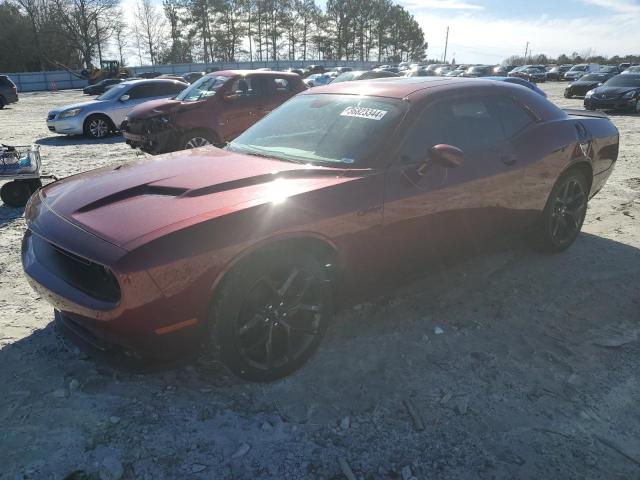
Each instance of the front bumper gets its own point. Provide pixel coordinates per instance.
(593, 103)
(68, 126)
(157, 138)
(139, 319)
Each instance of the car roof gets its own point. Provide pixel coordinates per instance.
(266, 73)
(399, 87)
(151, 80)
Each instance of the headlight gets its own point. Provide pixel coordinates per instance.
(70, 113)
(629, 94)
(589, 94)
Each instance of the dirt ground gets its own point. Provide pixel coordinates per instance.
(510, 365)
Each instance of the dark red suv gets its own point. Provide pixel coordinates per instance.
(214, 110)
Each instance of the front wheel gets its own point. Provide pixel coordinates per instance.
(564, 213)
(97, 126)
(271, 314)
(196, 139)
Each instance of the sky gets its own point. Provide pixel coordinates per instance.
(488, 31)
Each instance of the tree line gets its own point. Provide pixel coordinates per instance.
(587, 56)
(49, 34)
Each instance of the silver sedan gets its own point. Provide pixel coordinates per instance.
(105, 114)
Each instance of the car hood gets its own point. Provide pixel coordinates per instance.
(158, 107)
(613, 92)
(137, 202)
(587, 83)
(90, 103)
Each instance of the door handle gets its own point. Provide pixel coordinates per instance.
(509, 159)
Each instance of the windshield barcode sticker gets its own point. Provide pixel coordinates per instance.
(363, 112)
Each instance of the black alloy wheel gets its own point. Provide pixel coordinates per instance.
(271, 315)
(565, 212)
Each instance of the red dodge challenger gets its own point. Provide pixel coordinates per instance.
(248, 250)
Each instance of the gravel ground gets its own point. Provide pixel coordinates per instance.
(508, 365)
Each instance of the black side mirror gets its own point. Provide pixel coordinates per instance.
(446, 156)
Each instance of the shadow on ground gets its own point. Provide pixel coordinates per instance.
(506, 365)
(8, 214)
(67, 140)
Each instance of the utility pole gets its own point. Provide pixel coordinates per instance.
(526, 50)
(446, 44)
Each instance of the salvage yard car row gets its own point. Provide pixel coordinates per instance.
(163, 115)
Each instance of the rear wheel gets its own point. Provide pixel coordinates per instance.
(98, 126)
(564, 213)
(271, 314)
(16, 193)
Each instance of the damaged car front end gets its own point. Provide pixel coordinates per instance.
(152, 135)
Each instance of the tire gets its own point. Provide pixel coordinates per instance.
(34, 184)
(196, 139)
(2, 103)
(567, 95)
(98, 126)
(564, 213)
(270, 315)
(16, 193)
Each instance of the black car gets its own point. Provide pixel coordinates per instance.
(479, 71)
(612, 69)
(557, 73)
(503, 69)
(191, 77)
(8, 91)
(534, 74)
(100, 87)
(313, 69)
(363, 75)
(580, 87)
(621, 92)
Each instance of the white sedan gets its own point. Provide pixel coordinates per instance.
(105, 114)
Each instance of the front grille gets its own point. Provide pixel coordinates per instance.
(89, 277)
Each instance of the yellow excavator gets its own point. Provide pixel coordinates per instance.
(108, 69)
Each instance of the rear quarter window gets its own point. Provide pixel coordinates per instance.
(281, 85)
(513, 116)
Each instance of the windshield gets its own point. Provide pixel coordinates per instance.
(632, 81)
(205, 87)
(594, 77)
(341, 130)
(114, 92)
(578, 68)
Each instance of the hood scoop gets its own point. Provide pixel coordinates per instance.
(137, 191)
(271, 177)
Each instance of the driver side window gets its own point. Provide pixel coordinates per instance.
(465, 123)
(248, 87)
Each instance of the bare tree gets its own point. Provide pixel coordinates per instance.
(120, 35)
(151, 28)
(80, 18)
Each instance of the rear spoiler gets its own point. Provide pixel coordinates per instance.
(585, 113)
